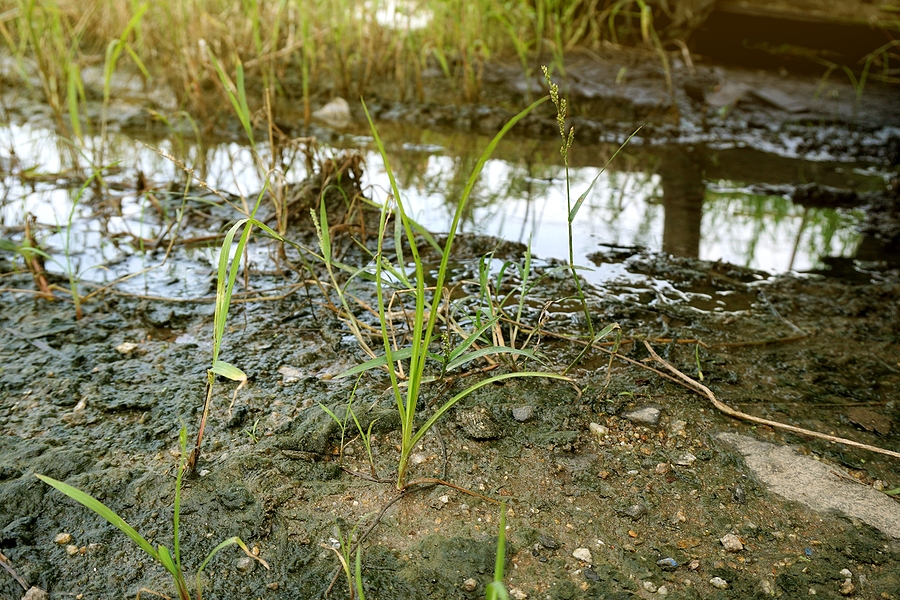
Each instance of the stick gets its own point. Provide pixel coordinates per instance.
(722, 407)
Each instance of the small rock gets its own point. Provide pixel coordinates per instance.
(35, 593)
(686, 460)
(662, 468)
(847, 588)
(667, 564)
(767, 587)
(548, 542)
(694, 565)
(517, 594)
(678, 517)
(245, 565)
(445, 499)
(732, 543)
(126, 347)
(335, 114)
(677, 427)
(648, 415)
(71, 549)
(584, 555)
(523, 414)
(289, 374)
(878, 485)
(470, 585)
(846, 573)
(635, 511)
(738, 495)
(650, 587)
(598, 430)
(718, 582)
(63, 538)
(663, 590)
(417, 458)
(478, 423)
(272, 586)
(591, 575)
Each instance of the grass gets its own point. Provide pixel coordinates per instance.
(349, 43)
(170, 560)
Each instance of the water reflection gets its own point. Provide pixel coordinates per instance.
(731, 205)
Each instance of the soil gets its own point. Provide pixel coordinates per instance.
(98, 404)
(657, 502)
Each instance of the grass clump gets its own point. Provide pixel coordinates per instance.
(424, 337)
(170, 560)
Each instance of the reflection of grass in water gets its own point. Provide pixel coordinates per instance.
(816, 232)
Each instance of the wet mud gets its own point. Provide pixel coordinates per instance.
(633, 471)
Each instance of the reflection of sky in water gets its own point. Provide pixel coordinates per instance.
(511, 201)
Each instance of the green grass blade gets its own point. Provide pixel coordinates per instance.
(584, 196)
(471, 339)
(452, 401)
(470, 356)
(220, 367)
(358, 575)
(104, 511)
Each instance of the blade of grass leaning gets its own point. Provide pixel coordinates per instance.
(104, 511)
(584, 195)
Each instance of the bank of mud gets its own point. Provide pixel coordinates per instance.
(98, 403)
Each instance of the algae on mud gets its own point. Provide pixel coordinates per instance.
(565, 486)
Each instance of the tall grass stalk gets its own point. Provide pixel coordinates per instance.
(423, 328)
(568, 137)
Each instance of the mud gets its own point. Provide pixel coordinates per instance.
(79, 406)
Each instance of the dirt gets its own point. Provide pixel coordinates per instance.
(80, 407)
(99, 402)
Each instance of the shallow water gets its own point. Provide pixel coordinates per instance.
(727, 204)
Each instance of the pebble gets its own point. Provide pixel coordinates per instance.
(732, 543)
(272, 586)
(63, 538)
(847, 588)
(517, 593)
(663, 590)
(548, 542)
(650, 587)
(584, 555)
(470, 585)
(598, 429)
(694, 565)
(846, 573)
(686, 460)
(635, 511)
(648, 415)
(126, 347)
(718, 582)
(478, 424)
(35, 593)
(667, 564)
(71, 549)
(677, 427)
(738, 494)
(245, 565)
(523, 414)
(662, 468)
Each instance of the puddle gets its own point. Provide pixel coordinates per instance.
(730, 205)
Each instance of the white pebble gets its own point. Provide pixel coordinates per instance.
(718, 582)
(584, 555)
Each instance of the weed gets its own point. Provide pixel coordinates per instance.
(496, 590)
(171, 561)
(568, 137)
(422, 330)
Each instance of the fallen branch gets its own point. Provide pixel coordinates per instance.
(722, 407)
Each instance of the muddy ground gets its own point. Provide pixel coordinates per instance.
(80, 406)
(634, 475)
